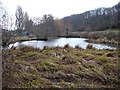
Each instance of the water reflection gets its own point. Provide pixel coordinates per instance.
(60, 42)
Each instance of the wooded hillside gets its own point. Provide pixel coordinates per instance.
(95, 20)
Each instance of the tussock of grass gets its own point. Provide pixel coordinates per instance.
(30, 56)
(65, 67)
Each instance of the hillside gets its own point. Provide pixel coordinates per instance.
(94, 20)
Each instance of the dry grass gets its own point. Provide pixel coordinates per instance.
(57, 67)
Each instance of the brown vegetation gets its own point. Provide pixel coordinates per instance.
(58, 67)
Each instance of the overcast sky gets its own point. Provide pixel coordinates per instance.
(58, 8)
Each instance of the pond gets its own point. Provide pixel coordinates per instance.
(60, 42)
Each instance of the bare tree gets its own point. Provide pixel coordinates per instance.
(11, 23)
(60, 26)
(5, 22)
(25, 21)
(19, 18)
(49, 26)
(3, 17)
(28, 23)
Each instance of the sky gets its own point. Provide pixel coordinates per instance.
(58, 8)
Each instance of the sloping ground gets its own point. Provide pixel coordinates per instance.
(60, 68)
(109, 36)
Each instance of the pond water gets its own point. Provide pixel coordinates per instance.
(60, 42)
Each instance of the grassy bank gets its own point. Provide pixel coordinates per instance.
(57, 67)
(107, 37)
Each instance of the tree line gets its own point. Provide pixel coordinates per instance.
(93, 20)
(46, 26)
